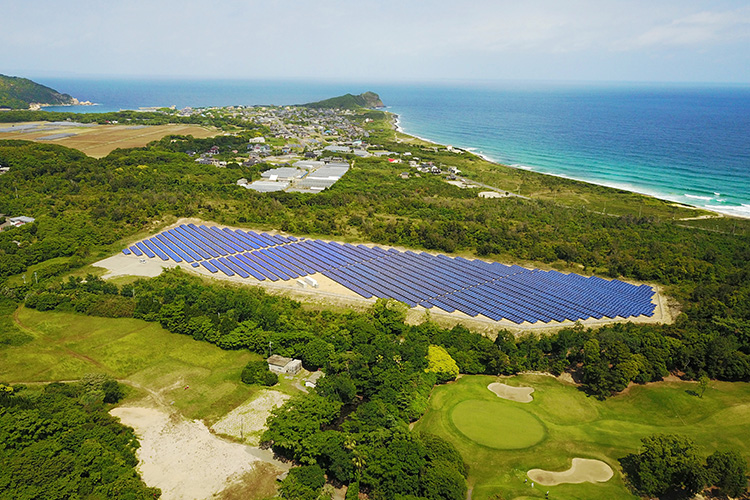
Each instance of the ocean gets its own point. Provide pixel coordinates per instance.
(684, 143)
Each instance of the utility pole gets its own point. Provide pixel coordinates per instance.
(269, 348)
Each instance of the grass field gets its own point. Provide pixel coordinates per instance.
(66, 346)
(496, 425)
(575, 425)
(98, 141)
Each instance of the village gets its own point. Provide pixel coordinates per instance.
(308, 149)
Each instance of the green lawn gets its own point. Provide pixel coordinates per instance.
(496, 425)
(66, 346)
(574, 425)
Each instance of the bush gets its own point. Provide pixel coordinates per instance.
(441, 363)
(303, 483)
(257, 372)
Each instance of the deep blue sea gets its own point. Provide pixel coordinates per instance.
(689, 144)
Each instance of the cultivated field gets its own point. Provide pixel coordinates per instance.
(100, 140)
(502, 440)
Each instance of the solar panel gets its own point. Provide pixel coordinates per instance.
(473, 287)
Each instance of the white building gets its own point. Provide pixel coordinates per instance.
(280, 364)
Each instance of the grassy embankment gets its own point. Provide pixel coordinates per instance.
(574, 425)
(65, 346)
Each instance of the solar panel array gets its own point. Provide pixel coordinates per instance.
(473, 287)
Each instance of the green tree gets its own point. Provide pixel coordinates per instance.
(441, 363)
(666, 463)
(317, 353)
(257, 372)
(297, 419)
(303, 483)
(703, 382)
(728, 471)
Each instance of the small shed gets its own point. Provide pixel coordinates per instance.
(312, 380)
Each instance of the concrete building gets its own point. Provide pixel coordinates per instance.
(286, 366)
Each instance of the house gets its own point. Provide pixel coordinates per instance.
(16, 222)
(257, 140)
(280, 364)
(312, 380)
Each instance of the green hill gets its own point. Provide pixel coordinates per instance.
(18, 93)
(349, 101)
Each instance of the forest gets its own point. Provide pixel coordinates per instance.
(59, 442)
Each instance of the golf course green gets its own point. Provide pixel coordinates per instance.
(501, 440)
(497, 425)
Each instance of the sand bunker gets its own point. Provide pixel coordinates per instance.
(248, 421)
(518, 394)
(182, 457)
(583, 470)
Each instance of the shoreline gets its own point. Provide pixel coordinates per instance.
(728, 212)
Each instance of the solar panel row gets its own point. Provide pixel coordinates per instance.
(473, 287)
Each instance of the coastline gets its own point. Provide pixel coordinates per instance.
(729, 211)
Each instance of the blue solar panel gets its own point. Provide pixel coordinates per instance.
(474, 287)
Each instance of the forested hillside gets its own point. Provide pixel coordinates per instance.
(18, 93)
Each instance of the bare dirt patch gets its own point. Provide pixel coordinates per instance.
(581, 471)
(248, 421)
(182, 457)
(517, 394)
(131, 265)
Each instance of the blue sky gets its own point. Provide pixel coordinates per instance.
(385, 40)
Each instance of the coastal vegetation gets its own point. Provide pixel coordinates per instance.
(19, 93)
(382, 374)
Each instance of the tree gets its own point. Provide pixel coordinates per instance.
(666, 463)
(297, 419)
(257, 372)
(728, 471)
(317, 353)
(441, 363)
(703, 382)
(303, 483)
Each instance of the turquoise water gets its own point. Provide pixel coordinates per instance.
(682, 143)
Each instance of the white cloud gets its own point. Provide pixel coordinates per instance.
(695, 30)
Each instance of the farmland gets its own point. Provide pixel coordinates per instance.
(99, 140)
